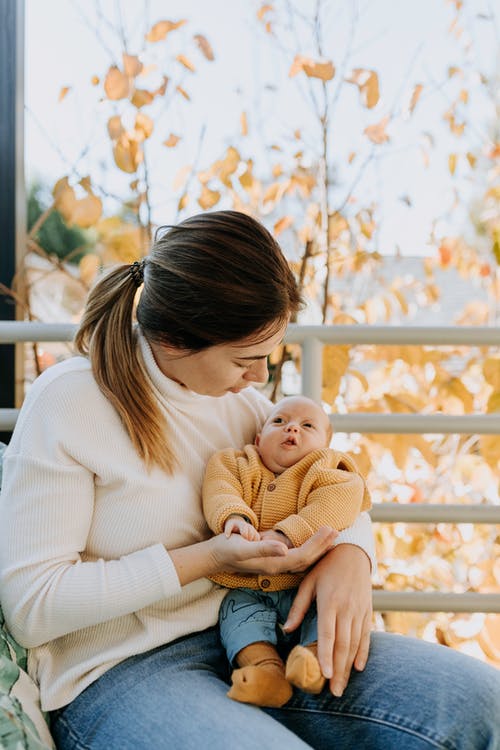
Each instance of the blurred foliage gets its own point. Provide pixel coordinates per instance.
(54, 235)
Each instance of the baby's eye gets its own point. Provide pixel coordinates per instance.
(308, 424)
(278, 420)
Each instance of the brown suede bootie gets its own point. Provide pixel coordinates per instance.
(303, 670)
(261, 678)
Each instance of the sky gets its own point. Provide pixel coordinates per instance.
(406, 42)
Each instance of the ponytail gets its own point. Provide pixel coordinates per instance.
(107, 336)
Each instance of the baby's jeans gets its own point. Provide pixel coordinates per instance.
(248, 616)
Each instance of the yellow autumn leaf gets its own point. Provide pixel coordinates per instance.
(127, 154)
(63, 93)
(323, 69)
(88, 267)
(266, 8)
(116, 84)
(186, 62)
(452, 163)
(377, 133)
(160, 30)
(204, 45)
(471, 158)
(247, 179)
(425, 450)
(284, 223)
(336, 225)
(64, 198)
(141, 97)
(172, 140)
(120, 241)
(160, 91)
(359, 376)
(228, 166)
(415, 97)
(143, 126)
(95, 80)
(454, 387)
(183, 201)
(88, 210)
(335, 364)
(183, 92)
(490, 450)
(115, 127)
(272, 192)
(208, 198)
(493, 404)
(367, 82)
(491, 372)
(132, 66)
(401, 299)
(398, 404)
(244, 123)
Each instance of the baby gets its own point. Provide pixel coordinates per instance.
(285, 486)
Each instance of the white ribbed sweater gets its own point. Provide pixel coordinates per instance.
(85, 579)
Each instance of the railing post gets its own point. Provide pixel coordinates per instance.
(312, 368)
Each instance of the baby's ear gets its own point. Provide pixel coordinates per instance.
(257, 439)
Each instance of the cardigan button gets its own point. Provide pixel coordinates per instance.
(265, 583)
(271, 487)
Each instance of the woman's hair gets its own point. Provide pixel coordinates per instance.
(215, 278)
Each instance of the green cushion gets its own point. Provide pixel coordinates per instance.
(23, 725)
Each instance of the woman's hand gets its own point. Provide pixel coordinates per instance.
(341, 585)
(237, 555)
(295, 560)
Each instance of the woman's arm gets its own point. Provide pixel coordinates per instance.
(341, 585)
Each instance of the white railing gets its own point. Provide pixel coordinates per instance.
(312, 339)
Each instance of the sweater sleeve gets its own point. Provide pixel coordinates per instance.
(47, 588)
(360, 534)
(223, 492)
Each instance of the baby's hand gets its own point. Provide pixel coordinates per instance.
(238, 525)
(276, 536)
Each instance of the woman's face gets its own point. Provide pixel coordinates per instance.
(222, 368)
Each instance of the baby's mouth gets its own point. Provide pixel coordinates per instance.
(290, 441)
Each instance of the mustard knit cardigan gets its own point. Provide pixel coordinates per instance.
(323, 489)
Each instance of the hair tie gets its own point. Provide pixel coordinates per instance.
(137, 271)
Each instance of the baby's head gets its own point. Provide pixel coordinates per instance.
(296, 426)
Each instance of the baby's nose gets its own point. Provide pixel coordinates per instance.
(292, 428)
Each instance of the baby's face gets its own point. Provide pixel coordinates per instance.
(295, 427)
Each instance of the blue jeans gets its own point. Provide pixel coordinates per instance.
(411, 696)
(248, 616)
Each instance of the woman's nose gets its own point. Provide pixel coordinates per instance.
(258, 372)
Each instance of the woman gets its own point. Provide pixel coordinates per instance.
(104, 552)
